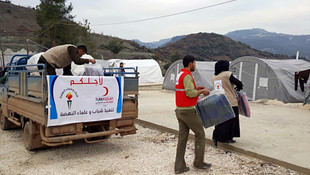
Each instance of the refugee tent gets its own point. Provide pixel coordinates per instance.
(202, 75)
(101, 62)
(269, 79)
(8, 53)
(149, 70)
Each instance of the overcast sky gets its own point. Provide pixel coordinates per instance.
(281, 16)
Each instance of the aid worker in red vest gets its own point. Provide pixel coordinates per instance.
(187, 94)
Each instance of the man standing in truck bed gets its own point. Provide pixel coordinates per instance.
(61, 57)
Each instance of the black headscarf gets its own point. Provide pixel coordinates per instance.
(221, 66)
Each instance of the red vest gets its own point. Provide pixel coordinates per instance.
(181, 99)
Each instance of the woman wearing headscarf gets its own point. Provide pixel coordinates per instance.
(225, 131)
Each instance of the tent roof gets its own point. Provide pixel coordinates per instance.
(290, 65)
(284, 71)
(149, 70)
(202, 75)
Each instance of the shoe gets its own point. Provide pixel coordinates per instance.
(181, 171)
(231, 141)
(205, 166)
(215, 143)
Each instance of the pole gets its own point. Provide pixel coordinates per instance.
(2, 54)
(255, 79)
(54, 42)
(297, 55)
(27, 47)
(240, 71)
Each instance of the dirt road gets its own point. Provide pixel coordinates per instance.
(276, 130)
(147, 152)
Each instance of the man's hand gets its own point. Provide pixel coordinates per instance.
(199, 88)
(203, 91)
(206, 92)
(92, 61)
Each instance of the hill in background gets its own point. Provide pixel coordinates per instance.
(275, 43)
(13, 19)
(160, 43)
(211, 46)
(259, 39)
(19, 24)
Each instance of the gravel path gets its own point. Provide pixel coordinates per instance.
(147, 152)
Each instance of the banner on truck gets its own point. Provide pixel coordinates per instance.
(76, 99)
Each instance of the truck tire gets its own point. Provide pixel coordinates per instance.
(4, 122)
(31, 141)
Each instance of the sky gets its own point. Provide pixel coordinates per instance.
(280, 16)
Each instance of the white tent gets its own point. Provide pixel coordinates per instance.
(149, 70)
(202, 75)
(8, 53)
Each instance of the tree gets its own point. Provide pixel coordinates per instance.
(175, 56)
(57, 25)
(115, 46)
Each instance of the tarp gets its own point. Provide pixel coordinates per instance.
(202, 75)
(34, 60)
(149, 70)
(269, 79)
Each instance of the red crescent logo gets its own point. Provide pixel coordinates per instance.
(107, 90)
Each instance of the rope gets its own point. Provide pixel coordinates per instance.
(36, 43)
(45, 30)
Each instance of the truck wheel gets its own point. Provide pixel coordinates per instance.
(31, 141)
(4, 122)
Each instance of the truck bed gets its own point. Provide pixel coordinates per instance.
(24, 103)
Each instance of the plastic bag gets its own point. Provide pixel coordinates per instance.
(93, 70)
(243, 104)
(33, 60)
(214, 109)
(77, 70)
